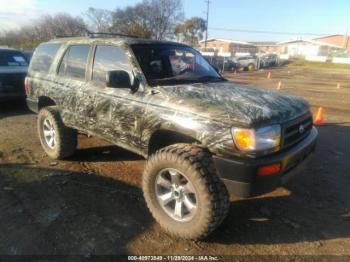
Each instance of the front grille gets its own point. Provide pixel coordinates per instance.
(296, 130)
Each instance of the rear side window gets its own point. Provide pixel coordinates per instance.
(12, 58)
(73, 63)
(108, 58)
(43, 57)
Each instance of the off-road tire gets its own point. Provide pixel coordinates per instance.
(66, 138)
(213, 200)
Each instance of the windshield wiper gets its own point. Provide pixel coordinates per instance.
(210, 78)
(175, 80)
(172, 80)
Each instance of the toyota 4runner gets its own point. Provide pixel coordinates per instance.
(203, 136)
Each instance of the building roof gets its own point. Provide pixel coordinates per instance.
(326, 36)
(227, 41)
(310, 42)
(264, 43)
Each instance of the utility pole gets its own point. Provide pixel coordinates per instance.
(206, 31)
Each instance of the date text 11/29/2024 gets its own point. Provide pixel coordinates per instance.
(173, 258)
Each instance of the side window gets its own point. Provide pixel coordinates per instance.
(108, 58)
(43, 57)
(74, 61)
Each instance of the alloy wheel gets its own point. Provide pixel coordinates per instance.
(176, 194)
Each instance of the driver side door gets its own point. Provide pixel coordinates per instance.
(116, 112)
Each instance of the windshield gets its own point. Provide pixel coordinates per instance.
(12, 58)
(173, 64)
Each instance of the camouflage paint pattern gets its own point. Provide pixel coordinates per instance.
(204, 112)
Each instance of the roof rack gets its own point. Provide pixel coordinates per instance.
(63, 36)
(97, 34)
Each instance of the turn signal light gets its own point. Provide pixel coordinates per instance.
(269, 170)
(244, 138)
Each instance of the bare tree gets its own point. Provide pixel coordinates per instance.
(99, 20)
(59, 24)
(44, 29)
(163, 16)
(150, 18)
(132, 21)
(191, 30)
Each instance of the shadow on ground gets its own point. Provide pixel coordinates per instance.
(13, 108)
(47, 211)
(105, 154)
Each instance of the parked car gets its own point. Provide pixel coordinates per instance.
(13, 69)
(268, 60)
(247, 62)
(28, 54)
(203, 136)
(222, 64)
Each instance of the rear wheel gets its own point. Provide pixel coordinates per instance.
(183, 192)
(57, 140)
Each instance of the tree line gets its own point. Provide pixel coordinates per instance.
(154, 19)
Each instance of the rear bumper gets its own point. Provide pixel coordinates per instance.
(240, 175)
(11, 96)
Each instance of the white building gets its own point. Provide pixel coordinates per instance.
(306, 48)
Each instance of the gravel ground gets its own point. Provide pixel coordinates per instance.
(91, 204)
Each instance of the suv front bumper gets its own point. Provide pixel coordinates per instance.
(240, 175)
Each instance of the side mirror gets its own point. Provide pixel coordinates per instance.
(118, 79)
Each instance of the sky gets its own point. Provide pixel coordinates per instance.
(227, 18)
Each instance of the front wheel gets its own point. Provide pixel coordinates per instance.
(183, 192)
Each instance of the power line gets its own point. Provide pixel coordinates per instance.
(266, 32)
(206, 31)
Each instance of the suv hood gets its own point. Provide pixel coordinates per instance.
(233, 103)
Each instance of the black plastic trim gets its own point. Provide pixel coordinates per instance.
(33, 105)
(240, 174)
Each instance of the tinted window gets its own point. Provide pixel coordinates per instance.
(43, 57)
(173, 64)
(108, 58)
(12, 58)
(74, 61)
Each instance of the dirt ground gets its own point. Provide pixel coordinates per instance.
(92, 204)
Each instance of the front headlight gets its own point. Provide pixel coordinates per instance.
(252, 140)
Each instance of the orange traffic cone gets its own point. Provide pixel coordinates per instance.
(269, 75)
(338, 86)
(319, 119)
(279, 86)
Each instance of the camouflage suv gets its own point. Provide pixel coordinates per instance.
(203, 136)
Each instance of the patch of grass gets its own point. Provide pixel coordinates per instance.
(309, 64)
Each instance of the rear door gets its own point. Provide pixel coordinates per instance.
(71, 83)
